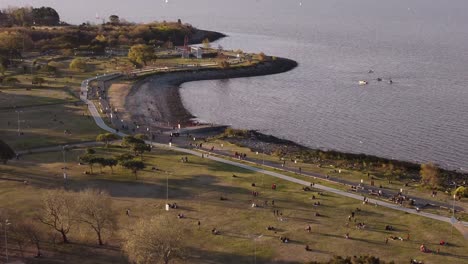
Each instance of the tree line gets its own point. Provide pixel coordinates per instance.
(29, 16)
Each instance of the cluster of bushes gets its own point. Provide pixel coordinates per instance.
(231, 132)
(128, 161)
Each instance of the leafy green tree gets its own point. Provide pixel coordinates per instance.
(11, 80)
(224, 64)
(36, 80)
(90, 159)
(206, 43)
(111, 163)
(141, 136)
(90, 151)
(6, 152)
(45, 16)
(21, 16)
(128, 141)
(13, 42)
(133, 165)
(114, 19)
(124, 157)
(100, 161)
(262, 56)
(140, 148)
(78, 64)
(141, 54)
(430, 175)
(461, 191)
(107, 137)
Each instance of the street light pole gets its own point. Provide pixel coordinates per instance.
(453, 217)
(255, 248)
(167, 187)
(64, 170)
(7, 223)
(19, 122)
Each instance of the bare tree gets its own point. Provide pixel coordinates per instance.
(95, 210)
(156, 240)
(28, 232)
(59, 212)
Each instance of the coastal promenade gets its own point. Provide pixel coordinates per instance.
(100, 122)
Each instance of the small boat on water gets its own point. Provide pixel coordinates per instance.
(363, 82)
(379, 79)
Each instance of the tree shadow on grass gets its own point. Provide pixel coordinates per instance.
(178, 188)
(212, 257)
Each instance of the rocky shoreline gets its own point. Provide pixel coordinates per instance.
(156, 98)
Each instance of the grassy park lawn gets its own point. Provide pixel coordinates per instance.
(46, 125)
(11, 97)
(197, 186)
(355, 176)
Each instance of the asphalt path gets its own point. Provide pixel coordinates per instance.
(100, 122)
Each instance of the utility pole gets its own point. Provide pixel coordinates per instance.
(19, 122)
(64, 169)
(6, 224)
(453, 220)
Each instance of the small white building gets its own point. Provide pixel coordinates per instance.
(197, 52)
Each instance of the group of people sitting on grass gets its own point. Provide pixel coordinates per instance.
(389, 228)
(284, 239)
(173, 206)
(180, 216)
(270, 228)
(396, 238)
(241, 156)
(424, 249)
(361, 225)
(215, 231)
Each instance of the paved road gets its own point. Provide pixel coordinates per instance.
(94, 112)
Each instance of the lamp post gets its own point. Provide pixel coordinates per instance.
(19, 122)
(6, 224)
(64, 169)
(453, 220)
(150, 135)
(255, 247)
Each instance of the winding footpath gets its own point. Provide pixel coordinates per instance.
(100, 122)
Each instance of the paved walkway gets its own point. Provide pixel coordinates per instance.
(365, 188)
(94, 112)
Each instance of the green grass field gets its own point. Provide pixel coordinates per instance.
(197, 187)
(355, 176)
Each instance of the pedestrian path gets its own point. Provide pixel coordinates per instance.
(100, 122)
